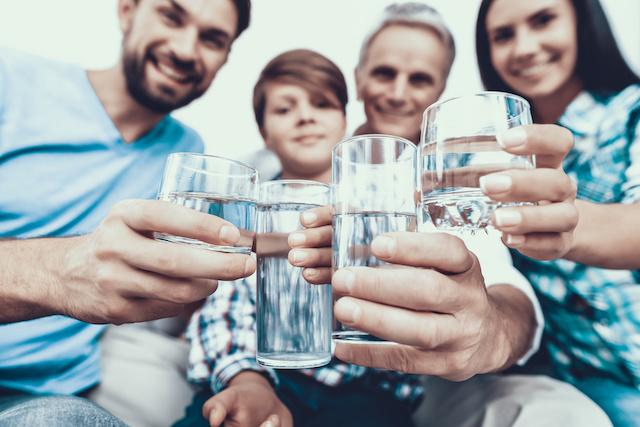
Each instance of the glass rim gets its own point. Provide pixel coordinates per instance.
(308, 182)
(400, 139)
(213, 156)
(477, 94)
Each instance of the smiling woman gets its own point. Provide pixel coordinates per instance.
(562, 56)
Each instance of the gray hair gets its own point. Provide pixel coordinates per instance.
(414, 14)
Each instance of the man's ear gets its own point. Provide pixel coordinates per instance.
(126, 11)
(357, 75)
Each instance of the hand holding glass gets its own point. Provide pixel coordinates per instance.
(459, 146)
(213, 185)
(374, 181)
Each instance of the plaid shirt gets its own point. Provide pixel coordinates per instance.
(223, 344)
(593, 314)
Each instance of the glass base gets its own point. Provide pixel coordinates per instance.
(200, 244)
(293, 360)
(355, 337)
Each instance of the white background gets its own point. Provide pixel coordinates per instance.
(86, 32)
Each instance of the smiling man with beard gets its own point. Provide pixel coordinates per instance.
(79, 151)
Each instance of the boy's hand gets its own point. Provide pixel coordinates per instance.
(248, 401)
(311, 247)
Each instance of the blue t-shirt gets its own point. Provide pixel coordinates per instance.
(63, 165)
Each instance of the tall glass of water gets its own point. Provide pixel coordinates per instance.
(293, 316)
(214, 185)
(459, 146)
(374, 182)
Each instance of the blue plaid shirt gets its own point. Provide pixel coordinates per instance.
(223, 344)
(593, 314)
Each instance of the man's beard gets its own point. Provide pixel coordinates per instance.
(164, 102)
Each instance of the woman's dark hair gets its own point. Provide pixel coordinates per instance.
(305, 68)
(600, 64)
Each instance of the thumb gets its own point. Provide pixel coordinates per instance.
(272, 421)
(216, 408)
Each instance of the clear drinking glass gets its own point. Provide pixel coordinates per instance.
(214, 185)
(293, 316)
(460, 145)
(374, 182)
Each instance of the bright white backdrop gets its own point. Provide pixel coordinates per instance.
(86, 32)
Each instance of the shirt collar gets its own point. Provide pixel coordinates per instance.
(583, 115)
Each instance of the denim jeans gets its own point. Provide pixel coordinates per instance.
(620, 402)
(19, 410)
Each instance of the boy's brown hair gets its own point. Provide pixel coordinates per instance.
(301, 67)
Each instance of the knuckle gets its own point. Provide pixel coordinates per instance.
(182, 294)
(168, 260)
(400, 360)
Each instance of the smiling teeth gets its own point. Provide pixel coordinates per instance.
(171, 73)
(531, 70)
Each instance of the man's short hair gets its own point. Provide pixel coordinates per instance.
(243, 7)
(244, 15)
(301, 67)
(412, 14)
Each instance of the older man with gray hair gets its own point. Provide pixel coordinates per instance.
(403, 67)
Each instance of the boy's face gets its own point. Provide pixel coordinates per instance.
(172, 49)
(301, 128)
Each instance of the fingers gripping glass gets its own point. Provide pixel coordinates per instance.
(374, 181)
(214, 185)
(459, 146)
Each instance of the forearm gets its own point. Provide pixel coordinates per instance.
(30, 277)
(607, 236)
(515, 326)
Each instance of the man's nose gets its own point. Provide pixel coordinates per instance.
(399, 90)
(184, 44)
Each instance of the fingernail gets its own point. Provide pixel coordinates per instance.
(347, 311)
(309, 218)
(343, 280)
(296, 239)
(515, 240)
(384, 246)
(268, 423)
(249, 266)
(298, 256)
(512, 137)
(507, 217)
(229, 234)
(495, 183)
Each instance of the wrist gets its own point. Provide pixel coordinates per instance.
(251, 377)
(513, 326)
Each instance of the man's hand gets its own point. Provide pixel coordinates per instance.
(545, 231)
(248, 401)
(434, 304)
(120, 274)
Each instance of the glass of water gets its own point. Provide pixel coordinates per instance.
(460, 145)
(293, 316)
(214, 185)
(374, 183)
